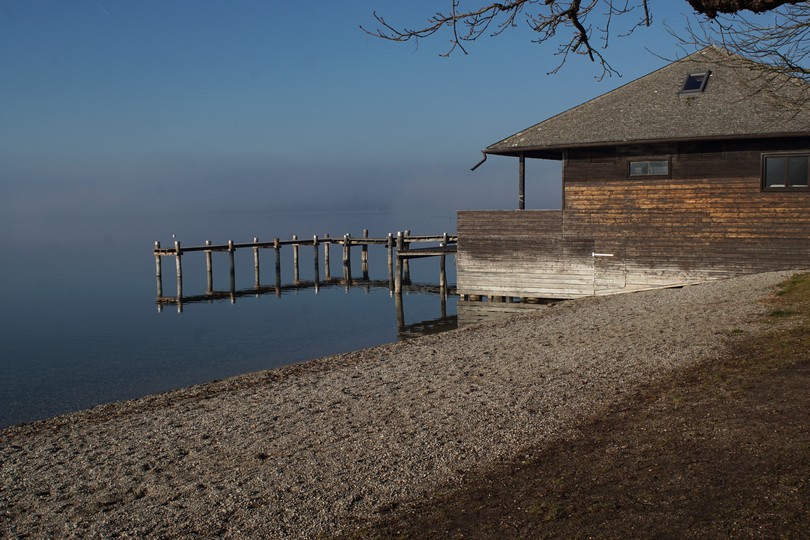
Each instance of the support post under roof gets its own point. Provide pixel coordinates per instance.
(522, 183)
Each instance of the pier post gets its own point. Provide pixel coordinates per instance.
(398, 272)
(347, 258)
(443, 305)
(257, 279)
(442, 276)
(233, 270)
(400, 312)
(296, 274)
(442, 268)
(390, 246)
(209, 270)
(316, 270)
(277, 249)
(327, 273)
(364, 255)
(406, 263)
(158, 270)
(178, 254)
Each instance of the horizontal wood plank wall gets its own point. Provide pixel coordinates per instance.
(708, 219)
(521, 254)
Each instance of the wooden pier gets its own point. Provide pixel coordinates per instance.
(398, 248)
(399, 253)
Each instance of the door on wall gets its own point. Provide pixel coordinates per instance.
(609, 273)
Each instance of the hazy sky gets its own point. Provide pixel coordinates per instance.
(111, 107)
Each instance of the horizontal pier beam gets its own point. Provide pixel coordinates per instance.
(427, 252)
(301, 242)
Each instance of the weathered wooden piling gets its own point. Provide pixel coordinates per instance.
(442, 268)
(389, 244)
(316, 270)
(327, 272)
(347, 258)
(443, 303)
(277, 250)
(178, 256)
(406, 264)
(232, 273)
(209, 269)
(257, 282)
(364, 255)
(400, 262)
(400, 308)
(296, 273)
(158, 270)
(442, 274)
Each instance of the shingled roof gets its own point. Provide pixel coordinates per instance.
(653, 109)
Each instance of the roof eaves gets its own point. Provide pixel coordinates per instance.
(559, 148)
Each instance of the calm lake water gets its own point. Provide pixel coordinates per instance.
(79, 324)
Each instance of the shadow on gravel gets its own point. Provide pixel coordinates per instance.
(720, 450)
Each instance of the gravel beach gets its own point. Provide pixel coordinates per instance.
(321, 447)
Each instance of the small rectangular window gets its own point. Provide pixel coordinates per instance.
(649, 168)
(786, 172)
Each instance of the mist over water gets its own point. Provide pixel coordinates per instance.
(80, 325)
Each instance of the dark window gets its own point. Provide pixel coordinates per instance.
(788, 172)
(649, 168)
(695, 82)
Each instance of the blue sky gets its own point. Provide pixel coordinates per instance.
(112, 107)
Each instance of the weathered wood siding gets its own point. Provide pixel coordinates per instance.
(520, 253)
(709, 219)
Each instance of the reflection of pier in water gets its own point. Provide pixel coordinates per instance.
(399, 282)
(404, 331)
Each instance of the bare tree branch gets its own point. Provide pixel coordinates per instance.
(546, 17)
(772, 32)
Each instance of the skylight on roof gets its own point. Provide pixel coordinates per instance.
(695, 83)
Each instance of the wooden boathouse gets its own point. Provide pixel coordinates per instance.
(688, 174)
